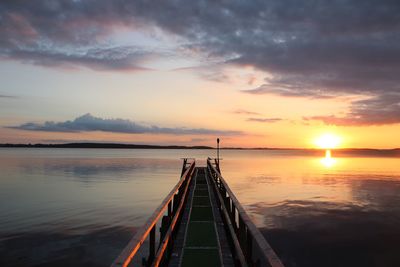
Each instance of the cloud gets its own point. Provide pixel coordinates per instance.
(113, 58)
(68, 33)
(7, 96)
(245, 112)
(89, 123)
(264, 120)
(305, 49)
(255, 119)
(315, 49)
(291, 87)
(380, 110)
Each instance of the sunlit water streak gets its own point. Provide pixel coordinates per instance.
(328, 161)
(80, 206)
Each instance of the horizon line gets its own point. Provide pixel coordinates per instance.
(135, 145)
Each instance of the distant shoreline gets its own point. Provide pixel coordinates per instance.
(104, 145)
(395, 152)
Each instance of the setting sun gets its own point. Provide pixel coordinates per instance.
(328, 141)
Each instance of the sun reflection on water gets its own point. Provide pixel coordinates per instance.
(328, 161)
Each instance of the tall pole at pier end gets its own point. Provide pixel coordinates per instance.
(218, 152)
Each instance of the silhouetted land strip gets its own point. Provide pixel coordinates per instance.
(343, 152)
(103, 145)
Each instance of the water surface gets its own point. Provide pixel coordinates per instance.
(79, 207)
(322, 212)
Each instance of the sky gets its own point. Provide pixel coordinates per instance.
(270, 73)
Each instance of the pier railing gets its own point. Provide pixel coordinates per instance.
(248, 246)
(167, 215)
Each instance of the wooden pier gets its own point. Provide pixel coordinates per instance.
(199, 223)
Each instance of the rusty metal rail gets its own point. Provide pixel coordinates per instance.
(249, 248)
(169, 212)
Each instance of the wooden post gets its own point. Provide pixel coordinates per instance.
(242, 232)
(170, 209)
(233, 218)
(175, 204)
(184, 166)
(165, 222)
(249, 248)
(217, 161)
(152, 250)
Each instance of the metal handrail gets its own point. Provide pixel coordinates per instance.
(237, 253)
(173, 202)
(246, 232)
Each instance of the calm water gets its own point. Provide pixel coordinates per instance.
(79, 207)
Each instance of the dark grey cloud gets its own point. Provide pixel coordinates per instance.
(68, 34)
(89, 123)
(291, 87)
(314, 49)
(264, 120)
(114, 58)
(7, 96)
(311, 49)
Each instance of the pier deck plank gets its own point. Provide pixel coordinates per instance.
(201, 246)
(203, 224)
(202, 240)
